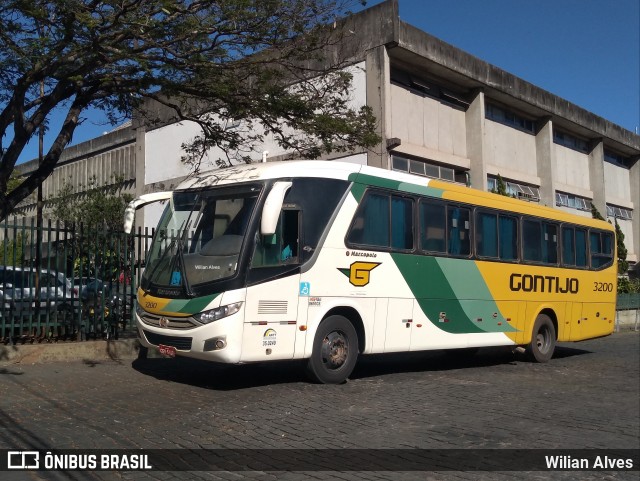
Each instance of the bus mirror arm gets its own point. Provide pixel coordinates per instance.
(137, 203)
(272, 208)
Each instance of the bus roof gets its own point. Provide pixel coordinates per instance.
(381, 177)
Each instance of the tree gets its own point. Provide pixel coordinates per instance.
(501, 187)
(623, 264)
(272, 65)
(96, 206)
(96, 216)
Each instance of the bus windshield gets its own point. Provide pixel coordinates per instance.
(199, 238)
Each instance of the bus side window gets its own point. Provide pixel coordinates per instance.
(532, 240)
(601, 249)
(487, 234)
(568, 246)
(433, 224)
(550, 243)
(508, 238)
(280, 247)
(459, 227)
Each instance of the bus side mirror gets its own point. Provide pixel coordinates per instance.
(272, 208)
(130, 211)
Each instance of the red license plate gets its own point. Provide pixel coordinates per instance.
(168, 351)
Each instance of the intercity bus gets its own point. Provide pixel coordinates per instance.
(328, 260)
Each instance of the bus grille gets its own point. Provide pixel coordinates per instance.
(181, 343)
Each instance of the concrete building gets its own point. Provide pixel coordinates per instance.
(442, 113)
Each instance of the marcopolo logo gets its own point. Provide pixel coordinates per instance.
(359, 272)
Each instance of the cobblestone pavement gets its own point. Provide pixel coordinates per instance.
(587, 397)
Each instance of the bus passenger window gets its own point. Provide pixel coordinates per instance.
(459, 227)
(371, 224)
(487, 235)
(581, 248)
(401, 223)
(383, 220)
(550, 243)
(568, 246)
(532, 240)
(433, 224)
(508, 238)
(601, 249)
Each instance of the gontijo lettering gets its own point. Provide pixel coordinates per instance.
(537, 283)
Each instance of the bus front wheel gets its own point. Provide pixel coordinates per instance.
(543, 339)
(335, 351)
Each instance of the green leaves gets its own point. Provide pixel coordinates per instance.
(274, 66)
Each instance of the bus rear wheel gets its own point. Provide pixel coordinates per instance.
(335, 351)
(543, 340)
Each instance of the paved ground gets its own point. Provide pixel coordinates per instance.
(587, 397)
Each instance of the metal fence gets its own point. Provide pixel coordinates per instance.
(628, 301)
(68, 283)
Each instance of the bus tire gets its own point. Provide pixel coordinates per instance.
(335, 351)
(543, 340)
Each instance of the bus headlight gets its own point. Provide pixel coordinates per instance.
(218, 313)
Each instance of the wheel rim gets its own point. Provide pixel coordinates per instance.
(335, 350)
(543, 340)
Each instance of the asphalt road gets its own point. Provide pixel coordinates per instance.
(586, 398)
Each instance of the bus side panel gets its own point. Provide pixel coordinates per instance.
(271, 313)
(598, 319)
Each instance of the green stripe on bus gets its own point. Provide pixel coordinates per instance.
(451, 293)
(362, 181)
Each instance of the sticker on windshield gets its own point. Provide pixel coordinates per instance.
(176, 278)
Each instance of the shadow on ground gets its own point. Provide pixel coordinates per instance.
(224, 377)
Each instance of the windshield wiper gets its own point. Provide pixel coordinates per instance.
(183, 270)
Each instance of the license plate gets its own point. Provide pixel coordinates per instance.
(168, 351)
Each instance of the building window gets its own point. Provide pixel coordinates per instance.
(427, 169)
(573, 201)
(510, 118)
(570, 141)
(520, 191)
(617, 159)
(429, 89)
(619, 212)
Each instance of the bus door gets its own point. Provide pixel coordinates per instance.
(271, 310)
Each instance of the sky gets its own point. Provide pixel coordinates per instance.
(585, 51)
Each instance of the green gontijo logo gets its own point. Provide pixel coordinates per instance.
(358, 272)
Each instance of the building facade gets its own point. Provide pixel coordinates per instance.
(441, 113)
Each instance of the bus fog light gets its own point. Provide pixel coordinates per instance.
(215, 343)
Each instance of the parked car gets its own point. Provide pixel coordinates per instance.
(59, 302)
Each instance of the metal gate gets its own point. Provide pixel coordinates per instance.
(61, 283)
